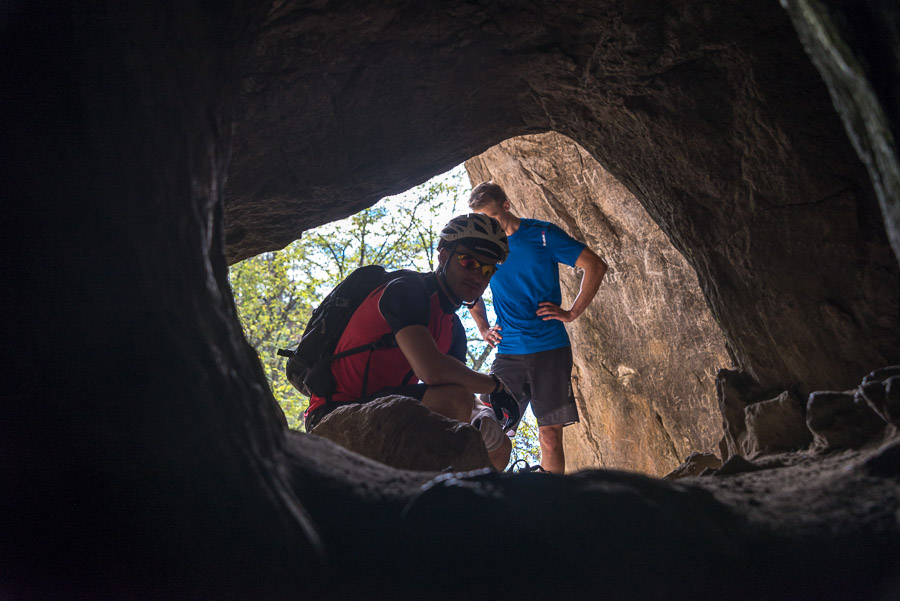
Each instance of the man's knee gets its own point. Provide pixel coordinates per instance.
(460, 396)
(450, 400)
(550, 436)
(500, 456)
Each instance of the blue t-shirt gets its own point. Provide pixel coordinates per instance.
(530, 276)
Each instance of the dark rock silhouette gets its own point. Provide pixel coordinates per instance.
(881, 390)
(841, 420)
(777, 424)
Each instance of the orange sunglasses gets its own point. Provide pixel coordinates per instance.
(470, 263)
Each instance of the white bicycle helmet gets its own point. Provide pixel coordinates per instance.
(479, 232)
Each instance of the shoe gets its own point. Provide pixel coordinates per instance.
(527, 468)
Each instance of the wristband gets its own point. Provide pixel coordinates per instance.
(499, 383)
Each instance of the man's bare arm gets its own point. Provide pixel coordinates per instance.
(436, 368)
(594, 269)
(490, 334)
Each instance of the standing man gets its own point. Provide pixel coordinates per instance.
(534, 358)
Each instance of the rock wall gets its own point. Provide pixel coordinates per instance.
(647, 349)
(854, 47)
(138, 434)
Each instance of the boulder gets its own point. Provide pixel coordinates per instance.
(755, 422)
(735, 390)
(841, 420)
(775, 425)
(402, 433)
(881, 390)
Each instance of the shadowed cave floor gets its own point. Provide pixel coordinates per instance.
(801, 526)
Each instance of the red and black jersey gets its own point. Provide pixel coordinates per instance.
(411, 299)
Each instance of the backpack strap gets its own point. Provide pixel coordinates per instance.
(386, 341)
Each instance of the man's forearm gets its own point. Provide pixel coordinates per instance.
(436, 368)
(594, 270)
(479, 313)
(448, 370)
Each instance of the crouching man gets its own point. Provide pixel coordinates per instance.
(419, 309)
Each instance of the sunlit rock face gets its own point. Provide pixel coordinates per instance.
(647, 349)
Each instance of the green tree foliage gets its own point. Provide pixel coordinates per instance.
(275, 299)
(276, 292)
(526, 446)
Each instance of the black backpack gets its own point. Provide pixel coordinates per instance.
(309, 365)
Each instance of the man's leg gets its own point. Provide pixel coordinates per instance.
(553, 403)
(500, 455)
(513, 371)
(451, 401)
(553, 457)
(457, 403)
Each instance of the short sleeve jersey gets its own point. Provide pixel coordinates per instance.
(411, 299)
(530, 276)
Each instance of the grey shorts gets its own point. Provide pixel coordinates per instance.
(543, 379)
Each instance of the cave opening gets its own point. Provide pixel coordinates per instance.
(645, 358)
